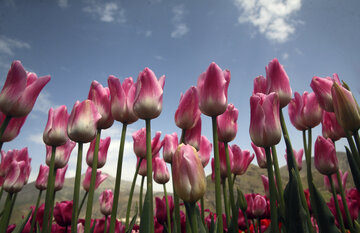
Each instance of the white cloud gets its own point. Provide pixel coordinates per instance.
(285, 56)
(273, 18)
(8, 45)
(107, 12)
(180, 28)
(43, 103)
(36, 138)
(63, 3)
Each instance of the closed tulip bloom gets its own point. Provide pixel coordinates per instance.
(205, 150)
(149, 95)
(298, 157)
(55, 130)
(161, 172)
(20, 91)
(193, 135)
(106, 202)
(122, 99)
(188, 174)
(345, 107)
(227, 124)
(41, 180)
(222, 157)
(60, 178)
(212, 86)
(260, 85)
(13, 128)
(343, 178)
(259, 206)
(265, 181)
(143, 166)
(83, 121)
(139, 138)
(102, 154)
(213, 169)
(63, 213)
(170, 145)
(16, 177)
(322, 90)
(265, 128)
(331, 127)
(241, 160)
(260, 155)
(188, 112)
(62, 154)
(99, 179)
(325, 159)
(278, 82)
(101, 97)
(15, 155)
(160, 208)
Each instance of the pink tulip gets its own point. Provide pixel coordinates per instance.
(188, 174)
(101, 97)
(20, 91)
(161, 173)
(149, 95)
(259, 206)
(160, 210)
(16, 177)
(205, 150)
(106, 202)
(188, 112)
(325, 159)
(63, 213)
(122, 99)
(62, 154)
(278, 82)
(139, 138)
(170, 145)
(102, 154)
(222, 156)
(249, 197)
(322, 90)
(83, 121)
(13, 128)
(260, 85)
(265, 128)
(193, 135)
(343, 178)
(345, 107)
(212, 87)
(298, 157)
(213, 169)
(241, 160)
(60, 178)
(99, 179)
(265, 181)
(331, 127)
(55, 130)
(227, 124)
(18, 156)
(260, 155)
(143, 167)
(41, 180)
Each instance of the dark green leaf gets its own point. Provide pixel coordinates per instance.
(145, 214)
(132, 223)
(22, 224)
(355, 171)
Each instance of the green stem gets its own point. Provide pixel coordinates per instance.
(190, 209)
(226, 203)
(1, 192)
(131, 194)
(76, 194)
(4, 125)
(202, 204)
(357, 140)
(338, 212)
(118, 179)
(82, 203)
(49, 191)
(33, 220)
(346, 208)
(106, 217)
(234, 179)
(259, 225)
(217, 176)
(5, 216)
(52, 210)
(141, 194)
(92, 184)
(354, 151)
(149, 175)
(279, 182)
(167, 209)
(246, 221)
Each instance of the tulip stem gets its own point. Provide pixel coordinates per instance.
(167, 209)
(149, 175)
(49, 191)
(52, 210)
(141, 194)
(82, 203)
(118, 179)
(76, 194)
(5, 217)
(1, 192)
(259, 225)
(131, 194)
(33, 220)
(279, 182)
(226, 203)
(92, 184)
(246, 221)
(106, 217)
(190, 210)
(354, 151)
(217, 176)
(338, 212)
(346, 208)
(356, 137)
(4, 125)
(202, 210)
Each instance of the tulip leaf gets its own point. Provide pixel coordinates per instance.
(19, 228)
(201, 227)
(213, 225)
(132, 223)
(145, 214)
(93, 226)
(355, 171)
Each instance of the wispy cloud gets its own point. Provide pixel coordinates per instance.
(106, 12)
(273, 18)
(43, 103)
(36, 138)
(285, 56)
(63, 3)
(8, 45)
(180, 28)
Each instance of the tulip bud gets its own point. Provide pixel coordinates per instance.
(241, 200)
(106, 202)
(99, 179)
(188, 112)
(170, 145)
(161, 173)
(331, 127)
(298, 157)
(343, 178)
(260, 155)
(193, 135)
(62, 154)
(16, 177)
(160, 210)
(55, 129)
(188, 174)
(227, 124)
(139, 138)
(205, 150)
(13, 128)
(149, 95)
(212, 87)
(241, 160)
(41, 180)
(60, 178)
(259, 206)
(222, 157)
(322, 90)
(142, 168)
(102, 154)
(63, 213)
(18, 156)
(265, 181)
(325, 159)
(260, 85)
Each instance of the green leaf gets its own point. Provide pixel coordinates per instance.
(145, 214)
(21, 226)
(213, 225)
(132, 223)
(93, 227)
(355, 171)
(201, 227)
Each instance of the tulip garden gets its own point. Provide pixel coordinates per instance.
(285, 207)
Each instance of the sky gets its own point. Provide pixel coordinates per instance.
(77, 42)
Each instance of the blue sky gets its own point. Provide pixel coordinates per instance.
(80, 41)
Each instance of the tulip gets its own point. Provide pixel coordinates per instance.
(188, 112)
(298, 158)
(322, 90)
(55, 130)
(227, 124)
(102, 154)
(325, 158)
(278, 82)
(63, 212)
(249, 197)
(205, 150)
(193, 135)
(222, 156)
(13, 128)
(149, 95)
(260, 155)
(345, 107)
(15, 155)
(241, 160)
(188, 174)
(60, 178)
(259, 206)
(139, 138)
(161, 173)
(99, 179)
(343, 178)
(41, 180)
(260, 85)
(160, 210)
(265, 128)
(170, 145)
(20, 91)
(213, 169)
(143, 168)
(62, 154)
(265, 181)
(122, 99)
(331, 127)
(83, 121)
(101, 97)
(106, 202)
(212, 87)
(16, 177)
